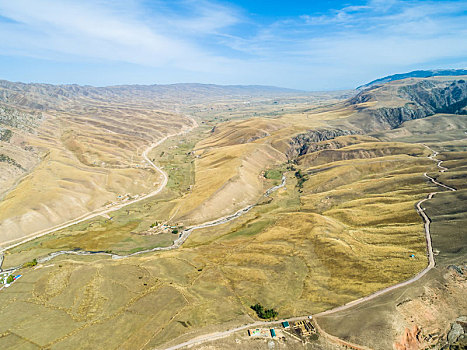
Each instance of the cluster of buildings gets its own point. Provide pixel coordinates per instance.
(264, 333)
(301, 328)
(157, 228)
(304, 328)
(6, 281)
(123, 198)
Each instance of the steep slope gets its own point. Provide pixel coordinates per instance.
(342, 227)
(429, 309)
(65, 153)
(17, 156)
(388, 106)
(230, 148)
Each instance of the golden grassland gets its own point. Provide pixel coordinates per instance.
(299, 253)
(437, 299)
(91, 154)
(88, 161)
(348, 230)
(122, 231)
(229, 162)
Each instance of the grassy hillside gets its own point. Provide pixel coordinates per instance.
(344, 226)
(433, 303)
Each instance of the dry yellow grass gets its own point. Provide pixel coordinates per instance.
(88, 161)
(349, 231)
(295, 253)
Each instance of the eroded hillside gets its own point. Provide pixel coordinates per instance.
(343, 226)
(66, 154)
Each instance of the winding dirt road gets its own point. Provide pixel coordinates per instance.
(182, 238)
(431, 264)
(176, 244)
(103, 211)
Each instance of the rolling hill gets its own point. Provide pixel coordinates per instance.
(343, 226)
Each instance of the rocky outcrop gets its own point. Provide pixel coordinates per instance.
(432, 98)
(412, 101)
(18, 119)
(410, 340)
(390, 118)
(456, 334)
(422, 99)
(304, 143)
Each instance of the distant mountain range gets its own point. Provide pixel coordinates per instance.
(415, 74)
(45, 96)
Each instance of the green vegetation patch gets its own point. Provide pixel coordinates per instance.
(273, 174)
(176, 157)
(31, 263)
(6, 159)
(301, 178)
(250, 228)
(264, 313)
(5, 135)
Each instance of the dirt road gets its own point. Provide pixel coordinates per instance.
(224, 334)
(103, 211)
(431, 264)
(176, 244)
(186, 233)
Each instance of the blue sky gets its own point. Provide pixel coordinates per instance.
(311, 45)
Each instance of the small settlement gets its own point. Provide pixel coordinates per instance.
(263, 333)
(302, 329)
(160, 227)
(6, 279)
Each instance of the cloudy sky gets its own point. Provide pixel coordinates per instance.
(311, 45)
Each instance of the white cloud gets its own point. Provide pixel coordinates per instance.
(107, 30)
(368, 40)
(197, 37)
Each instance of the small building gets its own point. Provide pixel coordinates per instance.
(304, 328)
(285, 324)
(254, 332)
(273, 333)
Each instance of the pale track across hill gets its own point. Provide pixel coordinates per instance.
(219, 335)
(431, 265)
(176, 244)
(103, 211)
(431, 259)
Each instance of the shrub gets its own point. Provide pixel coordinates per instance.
(30, 263)
(5, 135)
(264, 313)
(301, 178)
